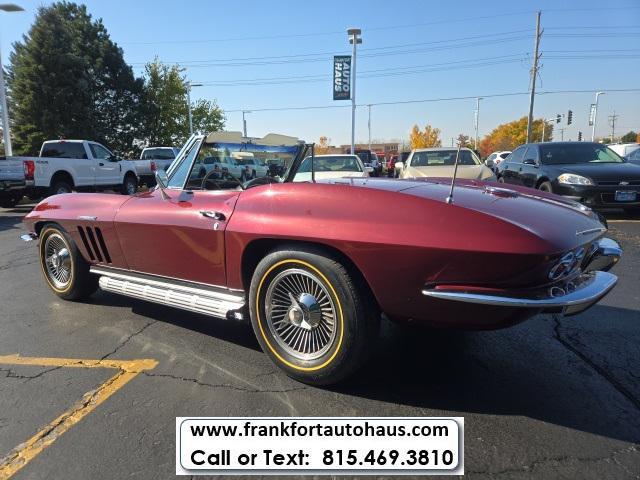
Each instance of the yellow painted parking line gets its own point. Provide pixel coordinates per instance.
(27, 451)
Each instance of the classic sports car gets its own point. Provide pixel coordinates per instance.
(307, 261)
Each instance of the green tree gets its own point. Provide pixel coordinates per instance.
(67, 78)
(165, 110)
(630, 137)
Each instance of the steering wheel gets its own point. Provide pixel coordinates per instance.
(206, 179)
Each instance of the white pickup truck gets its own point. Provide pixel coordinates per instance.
(153, 159)
(81, 165)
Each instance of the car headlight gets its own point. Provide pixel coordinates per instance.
(573, 179)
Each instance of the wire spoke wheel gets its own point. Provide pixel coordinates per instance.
(57, 260)
(300, 314)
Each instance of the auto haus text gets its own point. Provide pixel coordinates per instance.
(342, 78)
(293, 429)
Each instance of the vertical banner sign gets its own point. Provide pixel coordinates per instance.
(342, 77)
(592, 114)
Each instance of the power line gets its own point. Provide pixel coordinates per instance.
(430, 100)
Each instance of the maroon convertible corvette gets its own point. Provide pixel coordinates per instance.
(315, 264)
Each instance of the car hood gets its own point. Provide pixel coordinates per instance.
(472, 172)
(562, 224)
(601, 172)
(74, 206)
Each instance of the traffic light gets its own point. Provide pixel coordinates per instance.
(579, 136)
(569, 117)
(558, 118)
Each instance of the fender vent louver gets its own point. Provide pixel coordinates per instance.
(94, 244)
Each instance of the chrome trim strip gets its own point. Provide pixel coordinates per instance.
(87, 217)
(113, 271)
(207, 302)
(590, 287)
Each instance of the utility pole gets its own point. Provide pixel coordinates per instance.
(354, 40)
(534, 73)
(6, 7)
(244, 123)
(612, 122)
(369, 126)
(189, 85)
(477, 122)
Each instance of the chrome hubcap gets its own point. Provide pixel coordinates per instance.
(300, 314)
(57, 259)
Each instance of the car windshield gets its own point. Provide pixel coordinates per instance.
(337, 163)
(560, 154)
(439, 158)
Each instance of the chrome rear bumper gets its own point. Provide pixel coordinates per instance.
(571, 298)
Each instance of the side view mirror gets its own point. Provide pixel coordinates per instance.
(113, 158)
(530, 161)
(162, 181)
(399, 165)
(368, 169)
(489, 163)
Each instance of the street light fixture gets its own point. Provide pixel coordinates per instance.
(595, 116)
(189, 86)
(6, 7)
(354, 40)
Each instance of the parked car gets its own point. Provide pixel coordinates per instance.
(370, 159)
(81, 165)
(634, 157)
(440, 162)
(586, 172)
(152, 159)
(331, 166)
(302, 260)
(16, 181)
(493, 160)
(253, 166)
(624, 149)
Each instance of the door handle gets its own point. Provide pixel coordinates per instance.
(215, 215)
(101, 164)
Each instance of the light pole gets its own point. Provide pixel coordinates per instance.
(244, 123)
(354, 40)
(7, 7)
(477, 120)
(595, 116)
(189, 85)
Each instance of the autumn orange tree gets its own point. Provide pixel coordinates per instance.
(429, 137)
(509, 135)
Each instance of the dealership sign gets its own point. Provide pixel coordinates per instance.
(342, 77)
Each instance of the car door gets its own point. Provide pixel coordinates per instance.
(182, 236)
(530, 167)
(510, 168)
(108, 168)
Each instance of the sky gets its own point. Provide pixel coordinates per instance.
(253, 55)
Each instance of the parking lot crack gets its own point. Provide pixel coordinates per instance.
(223, 385)
(128, 339)
(557, 461)
(594, 366)
(12, 374)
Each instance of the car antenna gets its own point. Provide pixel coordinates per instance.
(455, 172)
(313, 170)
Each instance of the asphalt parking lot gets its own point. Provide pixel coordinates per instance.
(550, 398)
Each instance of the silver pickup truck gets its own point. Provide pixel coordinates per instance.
(152, 159)
(16, 180)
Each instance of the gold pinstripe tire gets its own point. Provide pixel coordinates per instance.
(65, 270)
(310, 316)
